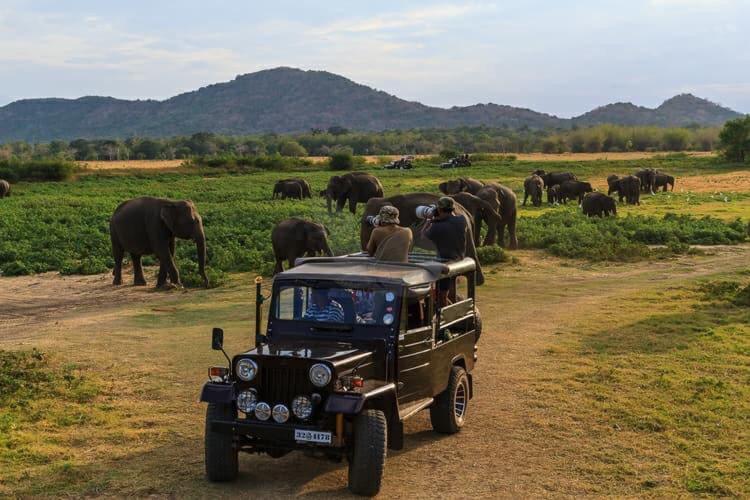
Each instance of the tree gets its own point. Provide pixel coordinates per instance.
(337, 130)
(734, 139)
(291, 147)
(675, 139)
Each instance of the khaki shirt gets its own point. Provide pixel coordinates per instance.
(390, 243)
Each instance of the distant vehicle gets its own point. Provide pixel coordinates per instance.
(459, 161)
(404, 163)
(353, 348)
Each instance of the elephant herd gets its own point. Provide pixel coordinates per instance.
(149, 226)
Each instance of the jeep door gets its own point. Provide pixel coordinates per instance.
(415, 344)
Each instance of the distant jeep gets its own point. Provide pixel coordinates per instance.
(352, 348)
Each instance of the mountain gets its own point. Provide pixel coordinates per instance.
(681, 110)
(291, 100)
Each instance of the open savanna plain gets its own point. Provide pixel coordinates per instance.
(618, 370)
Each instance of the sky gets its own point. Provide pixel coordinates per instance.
(560, 57)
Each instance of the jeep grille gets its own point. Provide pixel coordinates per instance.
(282, 384)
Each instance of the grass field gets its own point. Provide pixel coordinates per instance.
(623, 379)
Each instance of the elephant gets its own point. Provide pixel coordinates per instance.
(149, 226)
(462, 184)
(4, 188)
(407, 205)
(570, 190)
(503, 200)
(480, 210)
(647, 177)
(294, 238)
(304, 185)
(663, 181)
(553, 195)
(598, 204)
(628, 187)
(357, 187)
(287, 189)
(554, 178)
(533, 186)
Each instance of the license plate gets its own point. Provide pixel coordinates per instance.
(312, 436)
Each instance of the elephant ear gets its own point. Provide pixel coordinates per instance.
(168, 215)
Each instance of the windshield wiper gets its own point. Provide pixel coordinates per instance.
(334, 328)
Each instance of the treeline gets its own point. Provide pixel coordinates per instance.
(603, 138)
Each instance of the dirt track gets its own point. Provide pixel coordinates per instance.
(512, 445)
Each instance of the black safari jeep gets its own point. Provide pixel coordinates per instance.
(353, 347)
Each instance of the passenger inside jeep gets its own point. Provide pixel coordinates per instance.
(337, 305)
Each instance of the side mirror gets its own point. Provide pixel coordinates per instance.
(217, 339)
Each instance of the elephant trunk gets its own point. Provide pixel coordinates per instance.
(200, 245)
(328, 200)
(327, 250)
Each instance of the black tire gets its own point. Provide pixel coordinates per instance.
(368, 456)
(448, 412)
(221, 454)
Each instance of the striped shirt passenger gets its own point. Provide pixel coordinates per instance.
(323, 308)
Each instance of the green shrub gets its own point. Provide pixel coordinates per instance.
(492, 254)
(36, 170)
(742, 297)
(341, 160)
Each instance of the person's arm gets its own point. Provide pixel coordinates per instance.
(372, 245)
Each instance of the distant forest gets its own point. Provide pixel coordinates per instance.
(316, 142)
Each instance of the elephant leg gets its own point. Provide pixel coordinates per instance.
(291, 260)
(117, 253)
(340, 204)
(501, 235)
(138, 278)
(512, 234)
(353, 205)
(278, 268)
(525, 197)
(491, 234)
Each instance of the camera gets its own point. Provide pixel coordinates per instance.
(373, 220)
(426, 211)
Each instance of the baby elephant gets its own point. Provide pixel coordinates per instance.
(553, 194)
(294, 238)
(4, 188)
(533, 187)
(598, 204)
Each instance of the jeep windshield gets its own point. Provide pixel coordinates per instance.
(336, 304)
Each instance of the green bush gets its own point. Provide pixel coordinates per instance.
(248, 163)
(36, 170)
(341, 160)
(492, 255)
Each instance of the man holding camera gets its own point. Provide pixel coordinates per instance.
(389, 242)
(448, 232)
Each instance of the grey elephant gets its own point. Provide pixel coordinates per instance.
(663, 181)
(553, 195)
(4, 188)
(303, 184)
(461, 185)
(354, 187)
(574, 190)
(533, 187)
(598, 205)
(554, 178)
(287, 189)
(480, 210)
(647, 177)
(628, 188)
(503, 199)
(149, 226)
(294, 238)
(407, 205)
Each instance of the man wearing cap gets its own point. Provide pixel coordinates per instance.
(448, 232)
(389, 242)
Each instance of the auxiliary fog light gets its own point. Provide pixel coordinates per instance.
(280, 413)
(262, 411)
(246, 400)
(302, 407)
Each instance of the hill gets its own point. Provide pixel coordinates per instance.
(291, 100)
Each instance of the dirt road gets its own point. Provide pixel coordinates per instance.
(521, 439)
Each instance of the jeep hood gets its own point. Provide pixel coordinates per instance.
(339, 354)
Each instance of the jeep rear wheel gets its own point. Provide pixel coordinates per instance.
(368, 454)
(221, 454)
(448, 412)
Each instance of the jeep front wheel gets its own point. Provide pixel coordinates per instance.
(368, 454)
(221, 454)
(448, 412)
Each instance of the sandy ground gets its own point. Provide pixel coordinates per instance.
(172, 164)
(508, 448)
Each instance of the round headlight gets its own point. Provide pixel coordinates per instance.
(246, 400)
(280, 413)
(302, 407)
(262, 411)
(247, 369)
(320, 375)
